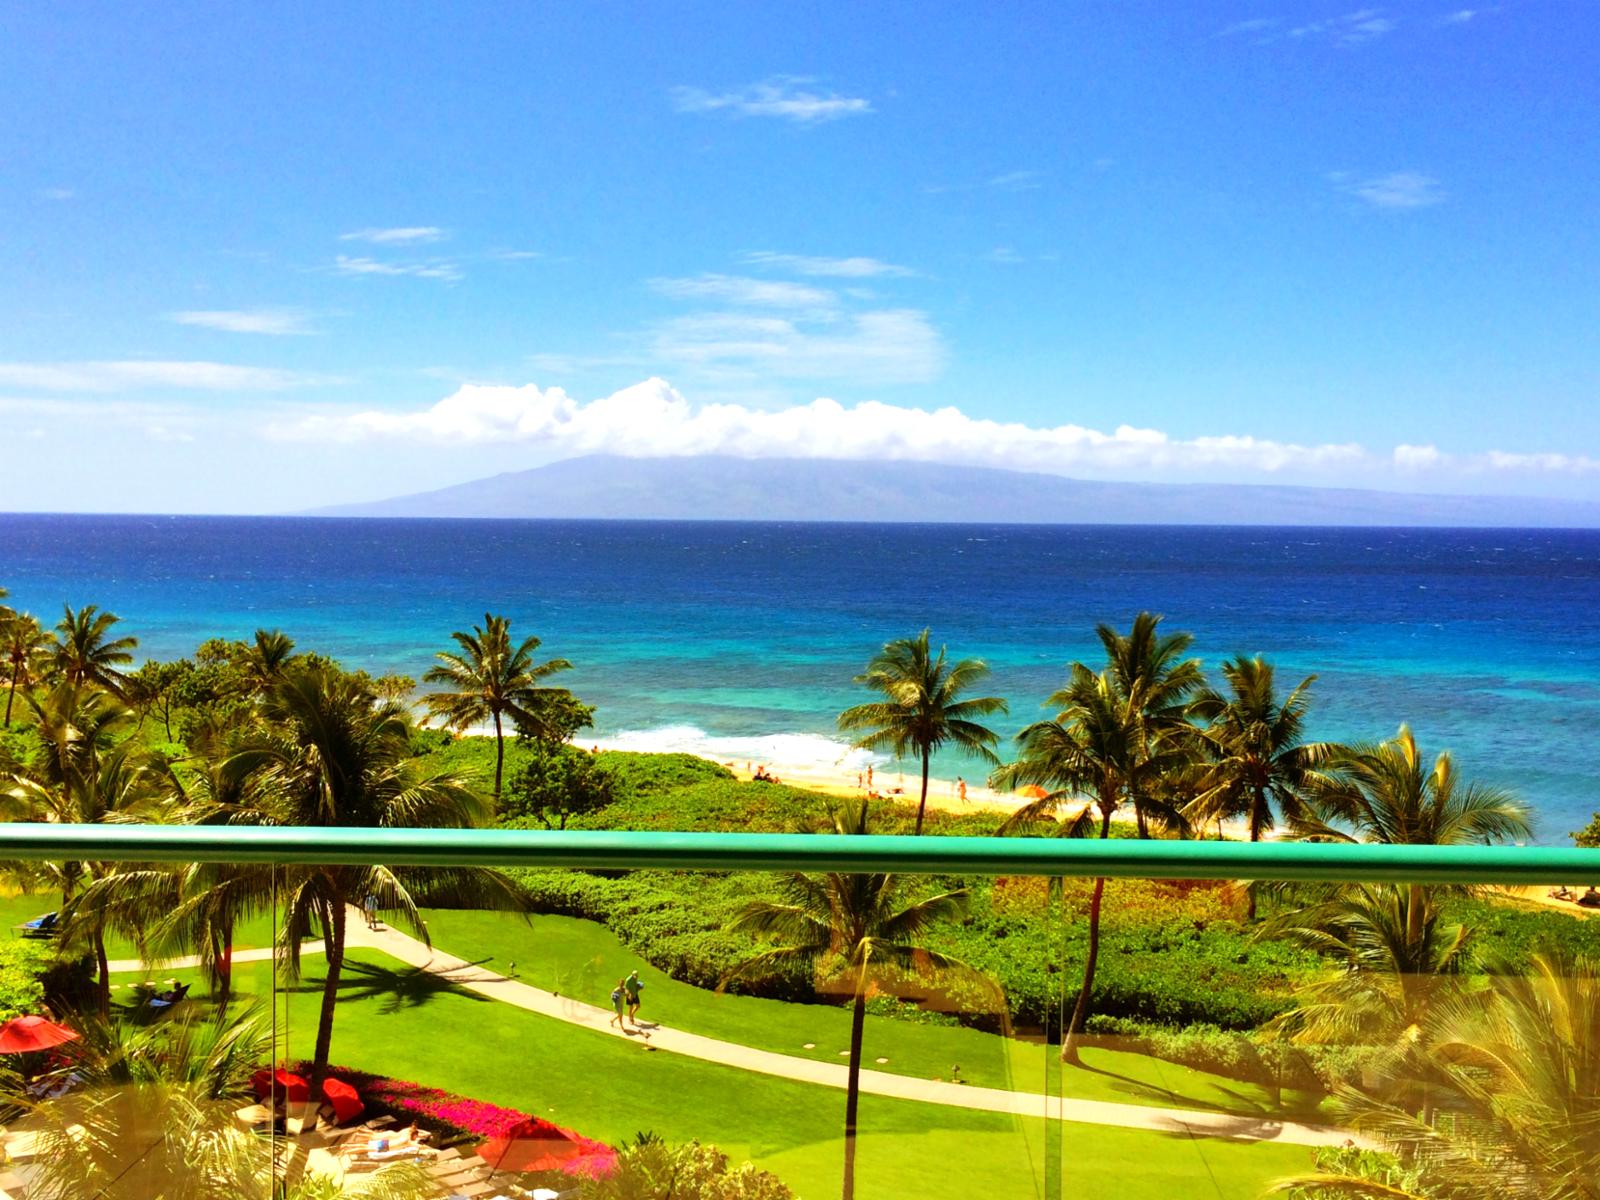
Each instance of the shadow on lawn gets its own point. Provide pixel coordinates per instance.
(397, 987)
(1292, 1107)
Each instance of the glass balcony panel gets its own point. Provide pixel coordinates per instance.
(484, 1049)
(124, 1075)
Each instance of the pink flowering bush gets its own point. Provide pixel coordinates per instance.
(460, 1118)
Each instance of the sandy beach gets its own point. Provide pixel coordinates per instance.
(847, 779)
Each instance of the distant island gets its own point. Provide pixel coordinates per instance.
(795, 489)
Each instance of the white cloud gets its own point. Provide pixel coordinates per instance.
(1460, 17)
(652, 418)
(784, 96)
(887, 346)
(404, 235)
(134, 374)
(1398, 190)
(1363, 25)
(278, 322)
(1561, 464)
(430, 269)
(734, 289)
(1014, 181)
(842, 268)
(1253, 25)
(1418, 458)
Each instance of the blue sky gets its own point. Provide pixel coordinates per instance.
(264, 261)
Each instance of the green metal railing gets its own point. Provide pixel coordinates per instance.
(805, 852)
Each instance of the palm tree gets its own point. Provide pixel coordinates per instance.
(86, 775)
(1513, 1074)
(921, 710)
(1257, 760)
(331, 755)
(265, 659)
(22, 646)
(1093, 757)
(1386, 793)
(488, 679)
(849, 928)
(1146, 661)
(85, 653)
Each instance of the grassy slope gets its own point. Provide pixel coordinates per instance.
(412, 1025)
(584, 960)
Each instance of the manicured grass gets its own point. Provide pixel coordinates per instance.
(17, 907)
(584, 960)
(406, 1023)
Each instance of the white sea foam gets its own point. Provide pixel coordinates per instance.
(797, 751)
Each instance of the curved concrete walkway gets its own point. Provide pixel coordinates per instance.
(878, 1083)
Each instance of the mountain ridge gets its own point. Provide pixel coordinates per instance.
(714, 487)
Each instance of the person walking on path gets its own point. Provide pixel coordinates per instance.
(632, 986)
(617, 994)
(961, 788)
(370, 906)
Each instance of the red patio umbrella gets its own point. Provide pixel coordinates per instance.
(531, 1145)
(22, 1034)
(1032, 791)
(345, 1099)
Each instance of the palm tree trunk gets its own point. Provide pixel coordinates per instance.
(499, 753)
(1256, 811)
(852, 1091)
(223, 949)
(1414, 915)
(103, 966)
(1080, 1010)
(333, 956)
(11, 693)
(922, 805)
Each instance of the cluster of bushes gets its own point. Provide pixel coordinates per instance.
(648, 1167)
(24, 963)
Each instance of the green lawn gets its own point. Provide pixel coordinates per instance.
(17, 907)
(409, 1024)
(583, 959)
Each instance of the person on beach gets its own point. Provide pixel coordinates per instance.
(370, 907)
(961, 789)
(869, 777)
(632, 986)
(617, 994)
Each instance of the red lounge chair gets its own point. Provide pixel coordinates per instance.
(346, 1102)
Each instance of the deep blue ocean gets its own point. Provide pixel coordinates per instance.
(741, 639)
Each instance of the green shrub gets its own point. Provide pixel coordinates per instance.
(649, 1169)
(554, 786)
(24, 962)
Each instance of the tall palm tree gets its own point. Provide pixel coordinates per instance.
(1387, 793)
(1146, 661)
(331, 755)
(488, 679)
(1256, 762)
(86, 776)
(849, 928)
(921, 709)
(1093, 757)
(1513, 1075)
(86, 653)
(23, 643)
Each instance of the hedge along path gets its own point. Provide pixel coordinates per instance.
(487, 983)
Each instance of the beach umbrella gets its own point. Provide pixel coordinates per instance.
(530, 1145)
(22, 1034)
(1032, 792)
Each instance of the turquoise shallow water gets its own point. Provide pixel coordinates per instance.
(1488, 642)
